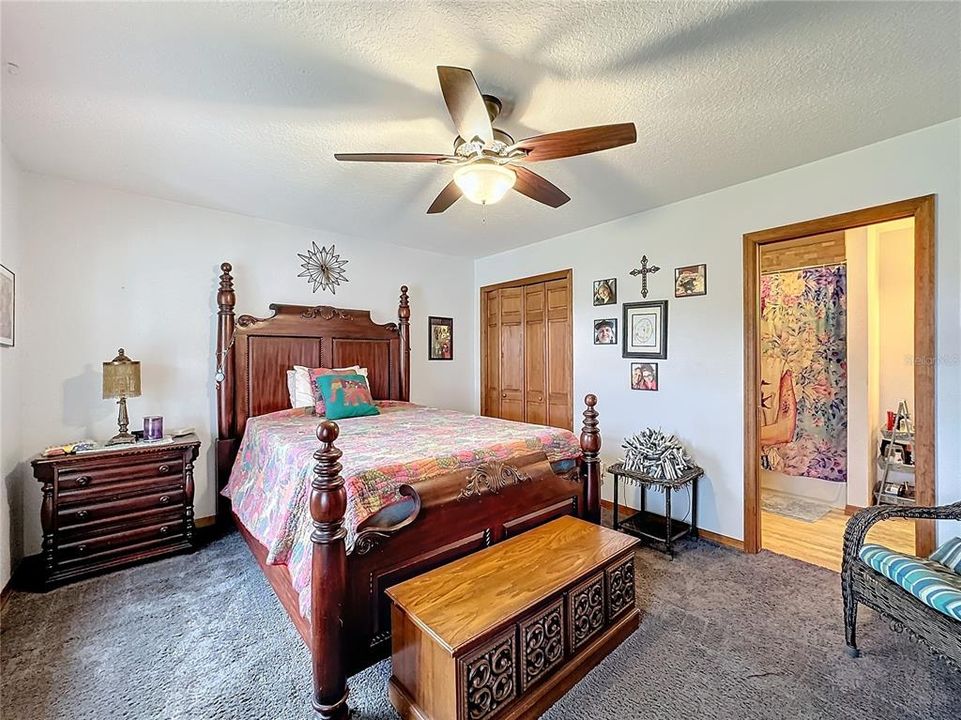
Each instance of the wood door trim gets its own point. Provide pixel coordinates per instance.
(922, 209)
(532, 280)
(521, 282)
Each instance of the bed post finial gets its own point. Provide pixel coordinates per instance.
(226, 445)
(328, 590)
(403, 315)
(591, 448)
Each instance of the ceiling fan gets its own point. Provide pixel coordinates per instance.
(488, 162)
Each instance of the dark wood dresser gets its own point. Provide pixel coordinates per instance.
(103, 510)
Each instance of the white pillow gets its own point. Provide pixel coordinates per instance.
(302, 392)
(299, 391)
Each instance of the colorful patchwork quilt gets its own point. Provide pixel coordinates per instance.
(269, 484)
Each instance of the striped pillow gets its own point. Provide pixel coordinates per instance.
(949, 555)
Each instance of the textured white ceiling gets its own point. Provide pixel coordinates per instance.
(240, 106)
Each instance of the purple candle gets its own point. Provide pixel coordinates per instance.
(153, 427)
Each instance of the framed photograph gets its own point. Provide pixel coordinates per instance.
(643, 376)
(605, 331)
(440, 336)
(605, 292)
(645, 330)
(8, 298)
(690, 281)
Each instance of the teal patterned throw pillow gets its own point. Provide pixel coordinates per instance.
(346, 396)
(949, 555)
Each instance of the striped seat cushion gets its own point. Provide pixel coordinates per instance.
(929, 581)
(949, 555)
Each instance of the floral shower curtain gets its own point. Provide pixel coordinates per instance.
(804, 372)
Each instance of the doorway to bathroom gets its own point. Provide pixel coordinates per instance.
(839, 413)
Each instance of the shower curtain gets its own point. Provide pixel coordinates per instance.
(804, 373)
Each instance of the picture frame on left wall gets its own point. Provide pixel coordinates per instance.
(8, 306)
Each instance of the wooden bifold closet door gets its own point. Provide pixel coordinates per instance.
(526, 350)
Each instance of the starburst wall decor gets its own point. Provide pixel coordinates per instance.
(323, 268)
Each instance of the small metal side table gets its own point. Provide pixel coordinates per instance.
(662, 529)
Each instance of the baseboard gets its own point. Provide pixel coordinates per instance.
(851, 509)
(721, 539)
(706, 534)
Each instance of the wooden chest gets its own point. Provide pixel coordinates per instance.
(106, 509)
(505, 632)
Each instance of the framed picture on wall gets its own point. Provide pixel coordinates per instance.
(645, 330)
(440, 336)
(605, 331)
(8, 298)
(605, 291)
(690, 281)
(643, 376)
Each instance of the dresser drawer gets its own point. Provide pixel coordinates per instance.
(93, 477)
(118, 542)
(95, 485)
(116, 524)
(91, 513)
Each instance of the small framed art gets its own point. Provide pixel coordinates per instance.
(605, 291)
(440, 336)
(8, 299)
(690, 281)
(605, 331)
(645, 330)
(643, 376)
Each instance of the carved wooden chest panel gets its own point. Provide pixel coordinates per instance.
(503, 633)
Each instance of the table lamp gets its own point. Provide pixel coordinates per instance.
(121, 379)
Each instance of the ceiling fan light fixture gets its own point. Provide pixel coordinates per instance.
(484, 182)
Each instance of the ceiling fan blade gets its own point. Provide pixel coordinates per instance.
(448, 196)
(537, 188)
(568, 143)
(392, 157)
(465, 103)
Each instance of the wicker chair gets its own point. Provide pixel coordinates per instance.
(862, 584)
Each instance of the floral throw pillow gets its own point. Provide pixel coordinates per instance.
(345, 396)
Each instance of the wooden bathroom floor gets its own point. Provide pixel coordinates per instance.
(820, 542)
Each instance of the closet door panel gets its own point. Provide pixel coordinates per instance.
(492, 355)
(535, 354)
(512, 353)
(559, 355)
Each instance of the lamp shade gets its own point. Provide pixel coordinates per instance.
(121, 377)
(484, 182)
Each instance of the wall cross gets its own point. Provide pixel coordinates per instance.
(644, 271)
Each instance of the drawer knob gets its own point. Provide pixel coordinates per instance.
(164, 499)
(81, 549)
(163, 469)
(83, 480)
(82, 514)
(164, 530)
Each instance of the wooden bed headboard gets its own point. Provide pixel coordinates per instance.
(254, 355)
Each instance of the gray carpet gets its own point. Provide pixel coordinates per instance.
(203, 636)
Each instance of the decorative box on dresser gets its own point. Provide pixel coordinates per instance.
(107, 509)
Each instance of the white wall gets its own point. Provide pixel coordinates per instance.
(896, 317)
(863, 413)
(702, 384)
(125, 270)
(880, 273)
(11, 442)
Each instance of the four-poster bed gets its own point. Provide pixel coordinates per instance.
(432, 522)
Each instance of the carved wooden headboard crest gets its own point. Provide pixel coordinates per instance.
(254, 355)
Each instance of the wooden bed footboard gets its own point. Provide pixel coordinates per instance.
(349, 624)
